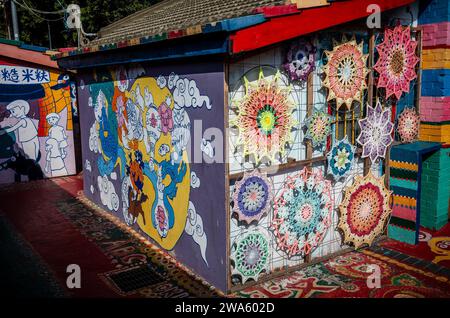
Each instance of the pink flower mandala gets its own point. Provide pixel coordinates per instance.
(397, 61)
(264, 118)
(376, 132)
(346, 73)
(408, 125)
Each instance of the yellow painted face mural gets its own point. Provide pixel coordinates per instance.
(139, 129)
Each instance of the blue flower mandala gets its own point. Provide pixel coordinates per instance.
(252, 197)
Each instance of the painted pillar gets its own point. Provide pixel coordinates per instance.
(434, 18)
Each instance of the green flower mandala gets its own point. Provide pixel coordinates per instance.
(318, 128)
(267, 119)
(250, 255)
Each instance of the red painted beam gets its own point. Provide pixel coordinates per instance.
(307, 21)
(14, 52)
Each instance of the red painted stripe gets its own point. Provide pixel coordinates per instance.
(307, 21)
(176, 34)
(404, 213)
(276, 11)
(441, 46)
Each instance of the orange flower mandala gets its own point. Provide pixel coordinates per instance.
(364, 210)
(346, 73)
(397, 61)
(264, 118)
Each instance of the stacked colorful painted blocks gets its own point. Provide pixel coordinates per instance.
(435, 93)
(405, 182)
(435, 131)
(435, 189)
(434, 19)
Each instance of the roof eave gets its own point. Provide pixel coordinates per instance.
(181, 48)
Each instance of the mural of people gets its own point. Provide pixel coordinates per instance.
(27, 123)
(57, 132)
(54, 160)
(27, 134)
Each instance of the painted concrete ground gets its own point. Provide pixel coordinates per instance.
(47, 225)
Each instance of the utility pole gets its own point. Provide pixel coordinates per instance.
(7, 19)
(49, 35)
(15, 22)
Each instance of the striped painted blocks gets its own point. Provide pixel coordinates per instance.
(433, 131)
(434, 19)
(405, 182)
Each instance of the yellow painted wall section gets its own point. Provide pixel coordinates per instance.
(436, 59)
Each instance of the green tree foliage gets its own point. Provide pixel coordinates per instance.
(95, 14)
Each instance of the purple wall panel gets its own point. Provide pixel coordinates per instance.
(139, 127)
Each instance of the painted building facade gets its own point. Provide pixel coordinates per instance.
(37, 101)
(333, 180)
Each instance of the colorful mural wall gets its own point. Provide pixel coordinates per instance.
(141, 129)
(36, 128)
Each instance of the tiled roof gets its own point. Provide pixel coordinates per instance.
(172, 15)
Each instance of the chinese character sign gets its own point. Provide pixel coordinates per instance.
(11, 74)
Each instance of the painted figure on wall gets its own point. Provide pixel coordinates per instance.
(55, 163)
(57, 132)
(27, 134)
(142, 128)
(36, 138)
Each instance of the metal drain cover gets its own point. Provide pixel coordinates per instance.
(131, 280)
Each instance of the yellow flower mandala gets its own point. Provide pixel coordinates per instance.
(264, 118)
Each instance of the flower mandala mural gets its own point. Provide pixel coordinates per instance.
(376, 132)
(250, 255)
(341, 159)
(252, 197)
(408, 125)
(264, 118)
(300, 60)
(346, 73)
(364, 210)
(318, 128)
(302, 212)
(397, 61)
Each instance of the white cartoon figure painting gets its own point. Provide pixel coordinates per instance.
(54, 159)
(25, 129)
(57, 132)
(55, 146)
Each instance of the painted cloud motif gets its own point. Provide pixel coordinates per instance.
(87, 165)
(161, 81)
(194, 228)
(93, 139)
(108, 194)
(186, 93)
(195, 181)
